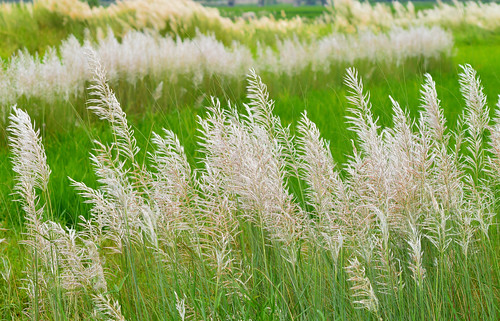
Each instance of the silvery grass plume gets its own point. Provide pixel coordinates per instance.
(180, 306)
(133, 202)
(389, 279)
(362, 291)
(30, 165)
(164, 204)
(106, 308)
(250, 155)
(105, 105)
(61, 258)
(477, 121)
(179, 16)
(370, 172)
(443, 188)
(347, 16)
(494, 146)
(26, 145)
(371, 143)
(326, 193)
(416, 255)
(402, 181)
(173, 187)
(119, 205)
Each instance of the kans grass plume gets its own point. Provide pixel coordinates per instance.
(61, 261)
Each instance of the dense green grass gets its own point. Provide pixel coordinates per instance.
(278, 11)
(286, 11)
(35, 31)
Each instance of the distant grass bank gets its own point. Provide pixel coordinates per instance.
(286, 11)
(278, 11)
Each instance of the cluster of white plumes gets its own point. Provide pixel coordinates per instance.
(352, 15)
(62, 72)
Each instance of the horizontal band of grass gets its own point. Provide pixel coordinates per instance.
(45, 23)
(62, 72)
(36, 27)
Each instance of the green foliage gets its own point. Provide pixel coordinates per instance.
(279, 11)
(94, 3)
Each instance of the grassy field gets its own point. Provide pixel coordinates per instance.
(325, 106)
(151, 287)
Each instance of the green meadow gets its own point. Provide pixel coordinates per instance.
(270, 285)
